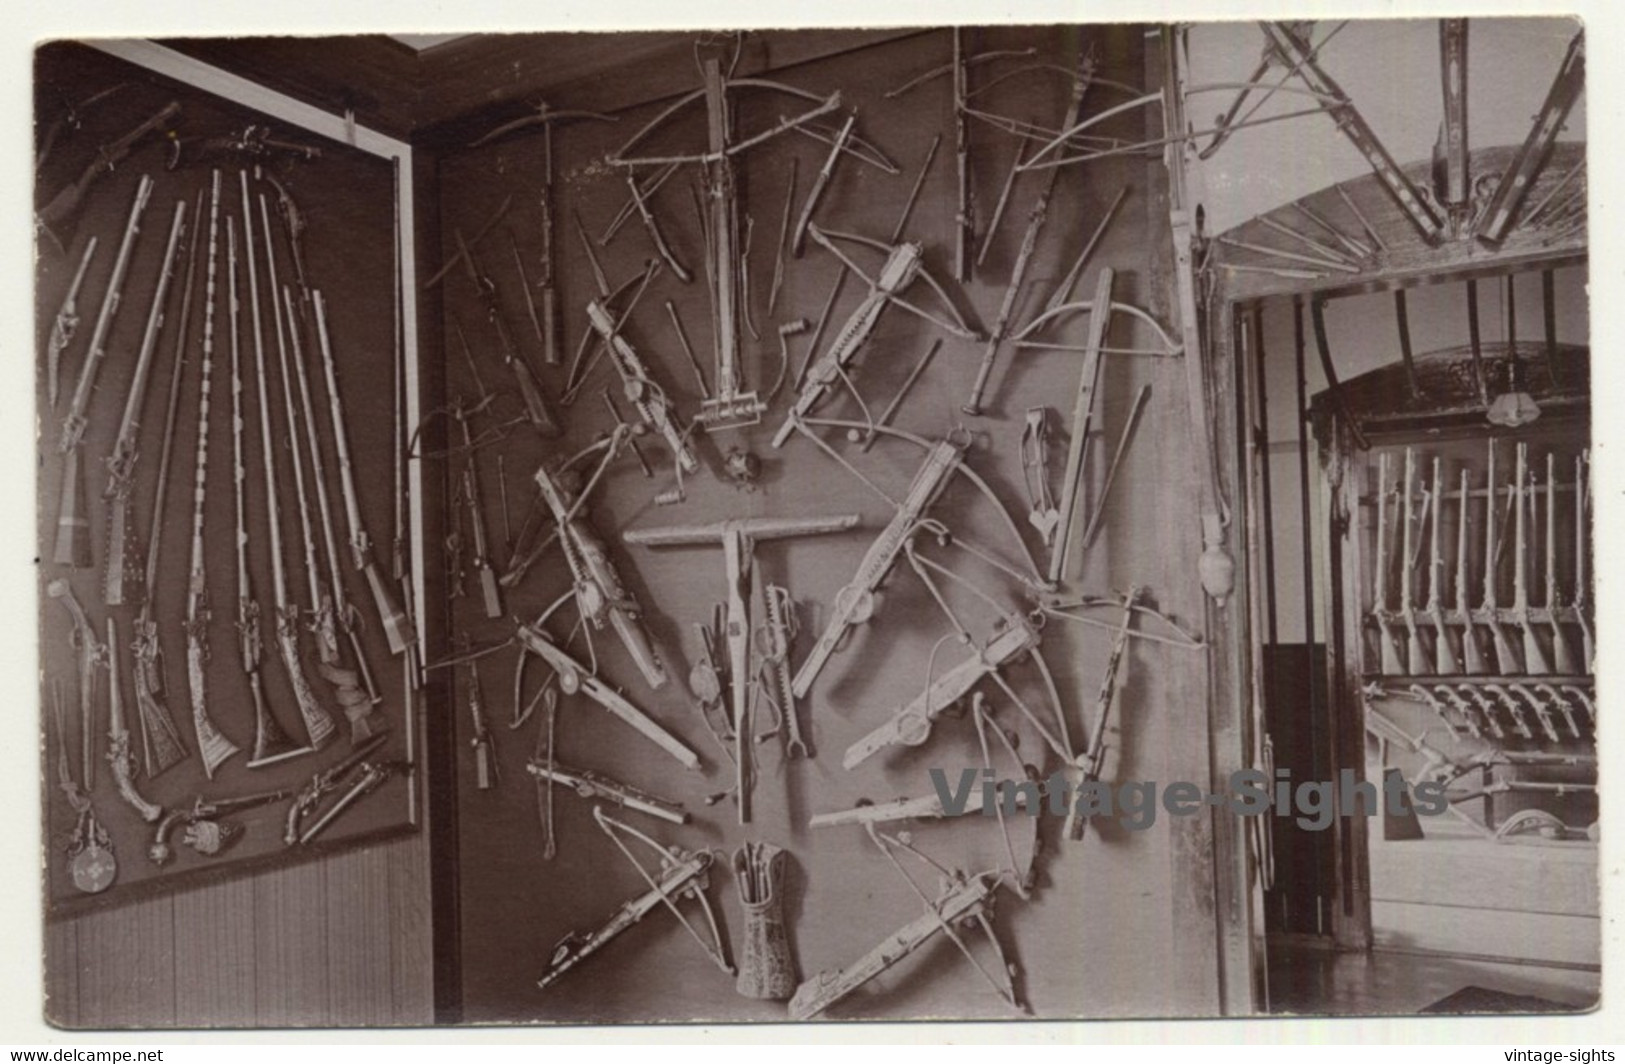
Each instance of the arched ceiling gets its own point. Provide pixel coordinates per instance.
(1391, 70)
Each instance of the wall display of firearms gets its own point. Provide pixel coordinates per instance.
(1479, 561)
(1475, 553)
(875, 577)
(202, 682)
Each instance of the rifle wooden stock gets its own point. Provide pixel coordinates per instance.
(65, 324)
(213, 746)
(123, 580)
(271, 743)
(1562, 650)
(1506, 657)
(1582, 539)
(119, 755)
(161, 743)
(1416, 655)
(1387, 640)
(1534, 655)
(73, 522)
(91, 655)
(1448, 665)
(318, 723)
(398, 627)
(1472, 653)
(855, 603)
(59, 218)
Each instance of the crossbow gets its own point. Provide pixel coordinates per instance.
(732, 406)
(961, 899)
(682, 874)
(855, 603)
(903, 265)
(547, 328)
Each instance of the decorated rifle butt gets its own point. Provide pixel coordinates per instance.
(271, 743)
(161, 744)
(119, 755)
(213, 746)
(318, 722)
(767, 971)
(398, 627)
(73, 517)
(359, 711)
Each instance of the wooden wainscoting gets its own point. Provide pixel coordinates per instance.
(342, 942)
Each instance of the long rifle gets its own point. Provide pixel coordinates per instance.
(1562, 651)
(92, 655)
(121, 547)
(58, 219)
(271, 743)
(318, 723)
(161, 744)
(1534, 655)
(398, 627)
(65, 324)
(1448, 665)
(1582, 586)
(1388, 640)
(213, 747)
(119, 754)
(1472, 653)
(1506, 658)
(356, 703)
(335, 606)
(1416, 653)
(73, 522)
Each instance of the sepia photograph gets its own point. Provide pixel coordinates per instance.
(998, 522)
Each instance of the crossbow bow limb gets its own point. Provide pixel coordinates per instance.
(732, 406)
(961, 899)
(855, 603)
(683, 874)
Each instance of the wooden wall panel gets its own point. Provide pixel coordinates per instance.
(358, 956)
(411, 949)
(126, 966)
(290, 940)
(216, 964)
(342, 942)
(61, 973)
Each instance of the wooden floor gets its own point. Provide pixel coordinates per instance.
(1309, 980)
